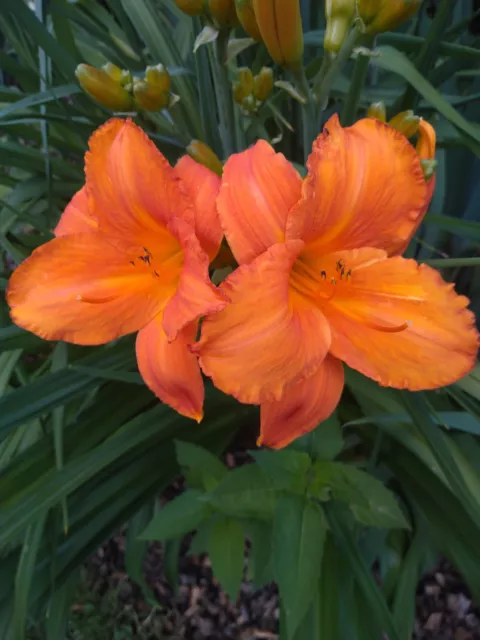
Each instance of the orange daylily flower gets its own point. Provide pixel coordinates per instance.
(321, 281)
(131, 253)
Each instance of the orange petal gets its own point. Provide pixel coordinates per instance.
(81, 289)
(169, 369)
(400, 324)
(428, 197)
(77, 217)
(262, 341)
(258, 189)
(365, 188)
(132, 187)
(303, 406)
(202, 185)
(195, 296)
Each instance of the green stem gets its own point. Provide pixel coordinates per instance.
(359, 77)
(323, 85)
(308, 110)
(223, 91)
(452, 262)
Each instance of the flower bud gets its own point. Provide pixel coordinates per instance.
(201, 153)
(406, 122)
(113, 71)
(245, 78)
(149, 97)
(426, 141)
(158, 77)
(384, 15)
(191, 7)
(378, 111)
(222, 11)
(239, 94)
(339, 15)
(263, 84)
(103, 88)
(280, 25)
(246, 15)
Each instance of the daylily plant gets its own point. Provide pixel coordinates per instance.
(132, 253)
(320, 282)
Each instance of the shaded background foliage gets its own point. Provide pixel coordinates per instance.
(84, 447)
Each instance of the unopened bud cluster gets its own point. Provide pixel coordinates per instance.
(251, 91)
(116, 89)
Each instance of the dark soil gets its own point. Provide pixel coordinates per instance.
(200, 610)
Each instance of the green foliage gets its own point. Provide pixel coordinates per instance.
(392, 478)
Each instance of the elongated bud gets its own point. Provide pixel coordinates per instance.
(246, 16)
(425, 148)
(201, 153)
(113, 71)
(263, 84)
(239, 94)
(406, 122)
(158, 77)
(427, 139)
(280, 25)
(191, 7)
(339, 15)
(385, 15)
(378, 111)
(222, 11)
(245, 78)
(103, 88)
(149, 97)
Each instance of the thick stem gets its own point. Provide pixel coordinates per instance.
(308, 110)
(323, 86)
(360, 71)
(223, 91)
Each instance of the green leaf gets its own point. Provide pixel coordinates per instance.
(24, 575)
(202, 470)
(287, 469)
(370, 501)
(178, 517)
(363, 574)
(261, 567)
(298, 539)
(410, 573)
(42, 97)
(59, 613)
(226, 547)
(245, 492)
(207, 35)
(438, 441)
(323, 443)
(135, 549)
(26, 18)
(392, 60)
(171, 557)
(291, 90)
(199, 543)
